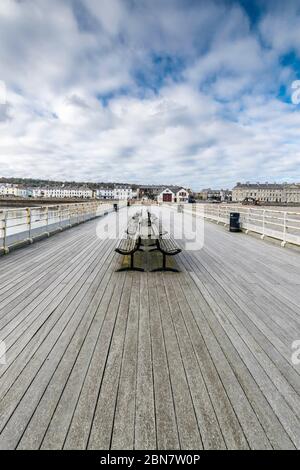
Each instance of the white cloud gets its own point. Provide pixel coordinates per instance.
(75, 109)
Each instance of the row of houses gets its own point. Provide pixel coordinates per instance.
(159, 193)
(267, 192)
(262, 192)
(63, 192)
(13, 190)
(47, 192)
(84, 192)
(115, 192)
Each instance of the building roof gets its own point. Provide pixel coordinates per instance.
(259, 186)
(173, 189)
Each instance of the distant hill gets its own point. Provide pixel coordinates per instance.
(34, 183)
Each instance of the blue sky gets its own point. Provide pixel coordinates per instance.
(197, 93)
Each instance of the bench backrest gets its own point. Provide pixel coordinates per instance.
(133, 228)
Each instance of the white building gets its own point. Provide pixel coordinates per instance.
(176, 194)
(292, 193)
(63, 192)
(266, 192)
(123, 193)
(105, 193)
(166, 195)
(6, 190)
(23, 192)
(116, 193)
(182, 196)
(13, 190)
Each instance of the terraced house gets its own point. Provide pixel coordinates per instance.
(267, 192)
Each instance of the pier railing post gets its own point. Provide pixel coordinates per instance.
(283, 243)
(47, 221)
(263, 224)
(60, 211)
(247, 219)
(28, 217)
(5, 246)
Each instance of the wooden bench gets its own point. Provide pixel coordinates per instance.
(167, 247)
(131, 243)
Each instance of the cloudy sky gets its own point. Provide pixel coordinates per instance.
(187, 92)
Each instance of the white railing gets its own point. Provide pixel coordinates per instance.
(283, 225)
(24, 225)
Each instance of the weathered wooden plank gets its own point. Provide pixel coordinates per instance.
(166, 425)
(187, 424)
(38, 267)
(104, 360)
(35, 377)
(234, 323)
(145, 430)
(278, 404)
(18, 313)
(26, 346)
(210, 431)
(216, 338)
(124, 420)
(102, 425)
(80, 427)
(192, 307)
(52, 417)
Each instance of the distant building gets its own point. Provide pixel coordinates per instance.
(226, 195)
(182, 195)
(267, 192)
(118, 192)
(13, 190)
(7, 190)
(166, 195)
(214, 195)
(105, 193)
(149, 191)
(63, 192)
(292, 193)
(176, 194)
(123, 192)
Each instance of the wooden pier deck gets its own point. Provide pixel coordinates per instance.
(200, 359)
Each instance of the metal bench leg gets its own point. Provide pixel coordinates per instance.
(164, 266)
(131, 267)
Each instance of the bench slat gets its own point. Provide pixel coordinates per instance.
(169, 246)
(127, 245)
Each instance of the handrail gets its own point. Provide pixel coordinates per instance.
(275, 223)
(25, 224)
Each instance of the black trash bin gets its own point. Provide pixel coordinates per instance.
(234, 224)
